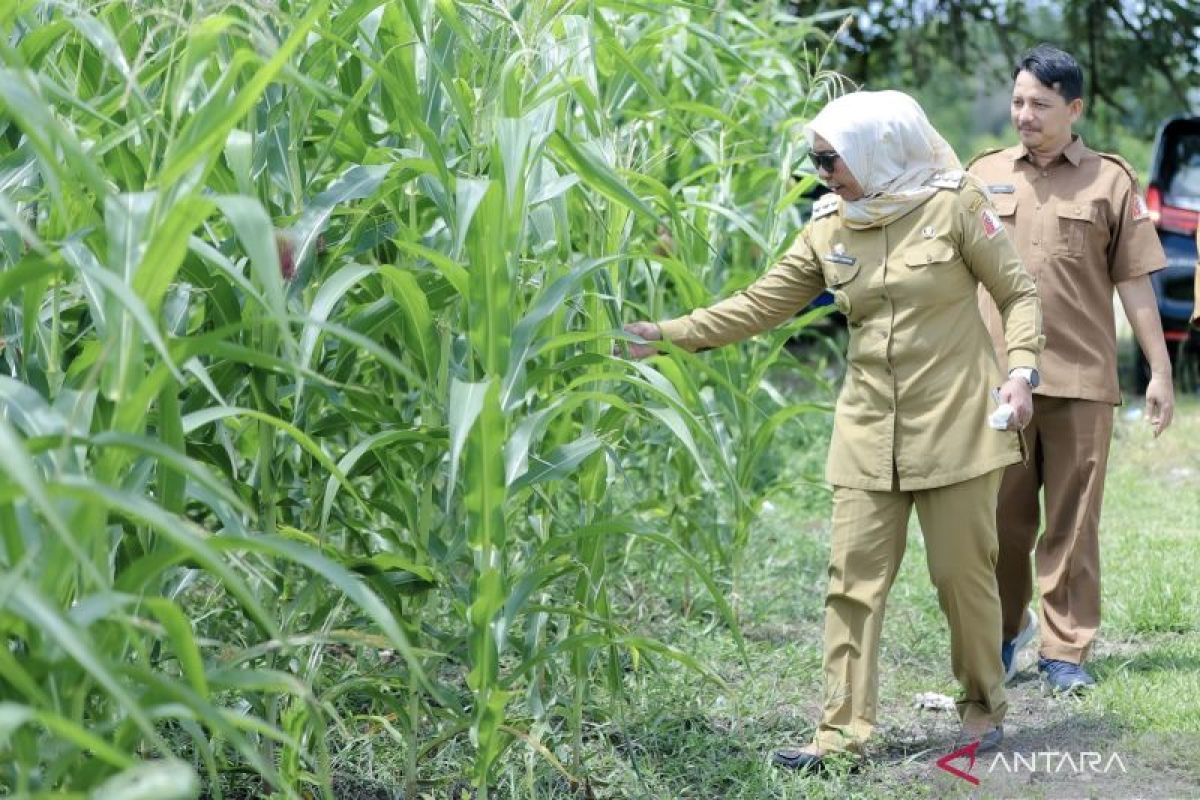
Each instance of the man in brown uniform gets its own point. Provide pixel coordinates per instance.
(1081, 229)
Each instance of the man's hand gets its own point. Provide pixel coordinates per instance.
(1160, 402)
(1016, 392)
(1137, 297)
(648, 331)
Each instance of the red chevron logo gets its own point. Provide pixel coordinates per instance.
(963, 752)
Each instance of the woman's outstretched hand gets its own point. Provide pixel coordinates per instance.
(648, 331)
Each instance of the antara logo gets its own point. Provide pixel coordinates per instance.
(1057, 761)
(1051, 761)
(962, 752)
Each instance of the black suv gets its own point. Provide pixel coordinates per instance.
(1173, 195)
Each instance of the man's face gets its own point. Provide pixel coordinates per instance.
(839, 180)
(1042, 117)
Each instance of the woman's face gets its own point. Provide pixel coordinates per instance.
(838, 178)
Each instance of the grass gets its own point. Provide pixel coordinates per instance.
(682, 737)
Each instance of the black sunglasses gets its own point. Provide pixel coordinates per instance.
(823, 159)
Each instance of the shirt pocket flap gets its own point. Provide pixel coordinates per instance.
(932, 251)
(1005, 204)
(839, 274)
(1083, 212)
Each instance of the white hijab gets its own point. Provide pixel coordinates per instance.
(890, 147)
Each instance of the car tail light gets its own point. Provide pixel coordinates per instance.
(1170, 218)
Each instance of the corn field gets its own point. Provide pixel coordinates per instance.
(311, 428)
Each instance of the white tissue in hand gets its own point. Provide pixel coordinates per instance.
(1001, 417)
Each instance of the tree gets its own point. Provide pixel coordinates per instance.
(1137, 57)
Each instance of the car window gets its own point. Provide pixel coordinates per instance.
(1181, 168)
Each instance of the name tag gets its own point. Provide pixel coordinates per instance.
(1002, 188)
(842, 258)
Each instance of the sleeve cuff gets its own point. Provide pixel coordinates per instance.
(1022, 358)
(1136, 271)
(675, 331)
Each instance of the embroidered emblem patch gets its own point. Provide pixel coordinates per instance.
(1139, 208)
(991, 223)
(928, 232)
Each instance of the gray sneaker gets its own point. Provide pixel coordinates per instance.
(1009, 649)
(1063, 677)
(988, 742)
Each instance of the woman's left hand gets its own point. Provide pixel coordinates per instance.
(1018, 394)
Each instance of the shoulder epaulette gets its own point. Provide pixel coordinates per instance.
(975, 192)
(948, 179)
(825, 206)
(1122, 163)
(982, 154)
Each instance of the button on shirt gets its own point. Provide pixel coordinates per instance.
(1080, 227)
(920, 364)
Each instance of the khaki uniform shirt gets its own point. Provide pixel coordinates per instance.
(1080, 227)
(920, 366)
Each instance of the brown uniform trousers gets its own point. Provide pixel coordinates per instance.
(1080, 227)
(1068, 454)
(910, 427)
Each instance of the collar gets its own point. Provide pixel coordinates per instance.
(1073, 152)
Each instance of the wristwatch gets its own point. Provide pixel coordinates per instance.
(1027, 374)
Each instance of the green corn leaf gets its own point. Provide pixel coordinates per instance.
(205, 133)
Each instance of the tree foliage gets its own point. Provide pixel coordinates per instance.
(1137, 57)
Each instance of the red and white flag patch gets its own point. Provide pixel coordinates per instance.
(991, 223)
(1138, 207)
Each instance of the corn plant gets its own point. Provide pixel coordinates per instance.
(309, 420)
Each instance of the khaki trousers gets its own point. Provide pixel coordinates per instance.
(869, 532)
(1068, 444)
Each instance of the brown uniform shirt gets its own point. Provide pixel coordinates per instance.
(920, 365)
(1080, 227)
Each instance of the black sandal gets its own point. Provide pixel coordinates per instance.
(806, 763)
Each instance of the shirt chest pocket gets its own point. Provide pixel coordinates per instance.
(1076, 227)
(929, 275)
(1005, 204)
(840, 272)
(928, 253)
(840, 269)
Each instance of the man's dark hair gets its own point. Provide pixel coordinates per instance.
(1053, 68)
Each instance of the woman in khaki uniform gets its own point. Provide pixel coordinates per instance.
(903, 240)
